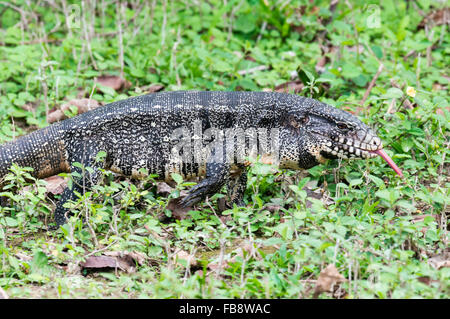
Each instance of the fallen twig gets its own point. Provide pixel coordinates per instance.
(371, 84)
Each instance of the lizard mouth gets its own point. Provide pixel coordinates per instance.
(348, 148)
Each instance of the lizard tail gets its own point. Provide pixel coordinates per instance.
(43, 150)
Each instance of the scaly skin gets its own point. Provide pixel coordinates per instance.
(156, 131)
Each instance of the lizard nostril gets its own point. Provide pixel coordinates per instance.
(376, 142)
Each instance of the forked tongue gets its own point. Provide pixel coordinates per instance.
(389, 160)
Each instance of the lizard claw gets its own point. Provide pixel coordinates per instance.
(195, 195)
(190, 200)
(188, 203)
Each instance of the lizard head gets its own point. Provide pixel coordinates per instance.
(317, 132)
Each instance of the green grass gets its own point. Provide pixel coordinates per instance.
(364, 219)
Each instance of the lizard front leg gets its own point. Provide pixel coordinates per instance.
(83, 181)
(217, 174)
(236, 186)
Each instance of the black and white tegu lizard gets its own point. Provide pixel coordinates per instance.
(210, 135)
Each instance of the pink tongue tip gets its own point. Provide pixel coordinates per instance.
(389, 160)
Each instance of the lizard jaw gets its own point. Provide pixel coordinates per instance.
(344, 147)
(357, 149)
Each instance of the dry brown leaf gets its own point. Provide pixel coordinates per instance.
(83, 105)
(190, 260)
(136, 256)
(113, 81)
(437, 17)
(273, 208)
(163, 188)
(328, 278)
(288, 87)
(100, 262)
(425, 280)
(320, 65)
(55, 184)
(125, 261)
(178, 212)
(298, 28)
(30, 106)
(154, 88)
(55, 116)
(440, 261)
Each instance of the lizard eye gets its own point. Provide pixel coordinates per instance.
(342, 126)
(304, 119)
(296, 122)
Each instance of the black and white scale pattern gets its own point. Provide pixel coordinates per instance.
(180, 132)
